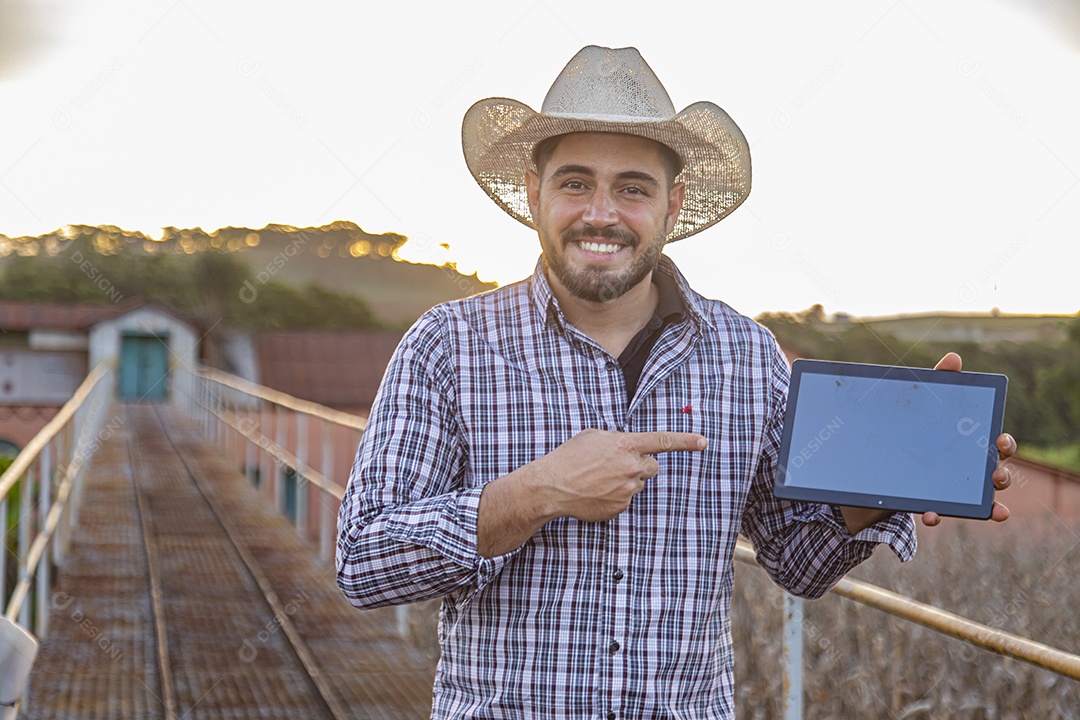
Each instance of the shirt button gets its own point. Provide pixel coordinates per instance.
(611, 366)
(618, 575)
(611, 716)
(614, 646)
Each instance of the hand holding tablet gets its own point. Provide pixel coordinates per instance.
(893, 438)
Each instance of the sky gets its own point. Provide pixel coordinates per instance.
(908, 156)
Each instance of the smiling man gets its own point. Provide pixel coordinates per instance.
(567, 461)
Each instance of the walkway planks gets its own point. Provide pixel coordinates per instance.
(210, 646)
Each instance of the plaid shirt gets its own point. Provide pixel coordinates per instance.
(620, 619)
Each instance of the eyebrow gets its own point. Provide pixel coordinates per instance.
(573, 170)
(589, 172)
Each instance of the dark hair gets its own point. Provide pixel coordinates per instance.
(543, 150)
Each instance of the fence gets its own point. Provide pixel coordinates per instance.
(47, 478)
(904, 608)
(272, 435)
(223, 403)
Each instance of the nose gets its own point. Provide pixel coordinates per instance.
(600, 211)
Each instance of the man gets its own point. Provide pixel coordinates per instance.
(567, 461)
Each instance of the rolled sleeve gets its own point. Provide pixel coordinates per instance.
(407, 523)
(806, 547)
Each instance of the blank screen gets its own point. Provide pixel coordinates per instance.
(891, 437)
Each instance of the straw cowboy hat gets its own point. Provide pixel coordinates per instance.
(607, 90)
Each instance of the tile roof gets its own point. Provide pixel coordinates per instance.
(17, 316)
(341, 370)
(21, 316)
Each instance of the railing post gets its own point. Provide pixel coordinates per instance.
(41, 624)
(74, 503)
(301, 477)
(215, 417)
(793, 657)
(326, 522)
(224, 407)
(279, 479)
(251, 457)
(64, 456)
(3, 551)
(197, 412)
(265, 461)
(26, 489)
(207, 415)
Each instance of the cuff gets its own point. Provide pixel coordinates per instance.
(896, 530)
(450, 531)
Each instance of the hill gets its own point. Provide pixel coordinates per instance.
(976, 328)
(340, 257)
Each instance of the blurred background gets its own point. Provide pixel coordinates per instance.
(281, 188)
(908, 156)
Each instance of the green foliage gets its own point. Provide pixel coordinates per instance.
(278, 306)
(1066, 455)
(1043, 405)
(9, 534)
(215, 288)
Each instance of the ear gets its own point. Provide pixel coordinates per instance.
(532, 186)
(676, 195)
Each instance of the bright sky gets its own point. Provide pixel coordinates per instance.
(909, 155)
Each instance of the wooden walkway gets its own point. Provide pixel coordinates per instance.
(186, 595)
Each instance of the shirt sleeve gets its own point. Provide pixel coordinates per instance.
(407, 523)
(806, 547)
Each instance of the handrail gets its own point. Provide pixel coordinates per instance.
(282, 455)
(900, 606)
(284, 399)
(947, 623)
(29, 453)
(229, 407)
(71, 458)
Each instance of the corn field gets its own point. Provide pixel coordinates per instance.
(862, 663)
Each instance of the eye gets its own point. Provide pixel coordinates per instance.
(574, 185)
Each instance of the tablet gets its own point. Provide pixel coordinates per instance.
(894, 438)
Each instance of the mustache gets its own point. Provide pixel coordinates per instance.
(607, 233)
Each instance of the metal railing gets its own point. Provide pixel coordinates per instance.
(47, 477)
(224, 403)
(272, 435)
(904, 608)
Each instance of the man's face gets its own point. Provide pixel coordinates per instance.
(603, 208)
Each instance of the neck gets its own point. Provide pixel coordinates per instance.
(610, 324)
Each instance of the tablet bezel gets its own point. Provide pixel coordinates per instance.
(988, 435)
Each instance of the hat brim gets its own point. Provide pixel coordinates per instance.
(498, 136)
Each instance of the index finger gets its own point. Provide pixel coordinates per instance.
(648, 443)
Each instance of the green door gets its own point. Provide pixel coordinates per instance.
(144, 367)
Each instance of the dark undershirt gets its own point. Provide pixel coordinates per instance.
(670, 309)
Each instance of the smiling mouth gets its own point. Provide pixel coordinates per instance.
(600, 248)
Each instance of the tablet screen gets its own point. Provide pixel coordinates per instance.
(891, 437)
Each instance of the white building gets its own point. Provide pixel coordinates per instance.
(47, 349)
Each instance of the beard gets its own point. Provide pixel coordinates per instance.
(597, 285)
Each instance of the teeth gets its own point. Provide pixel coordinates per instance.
(596, 247)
